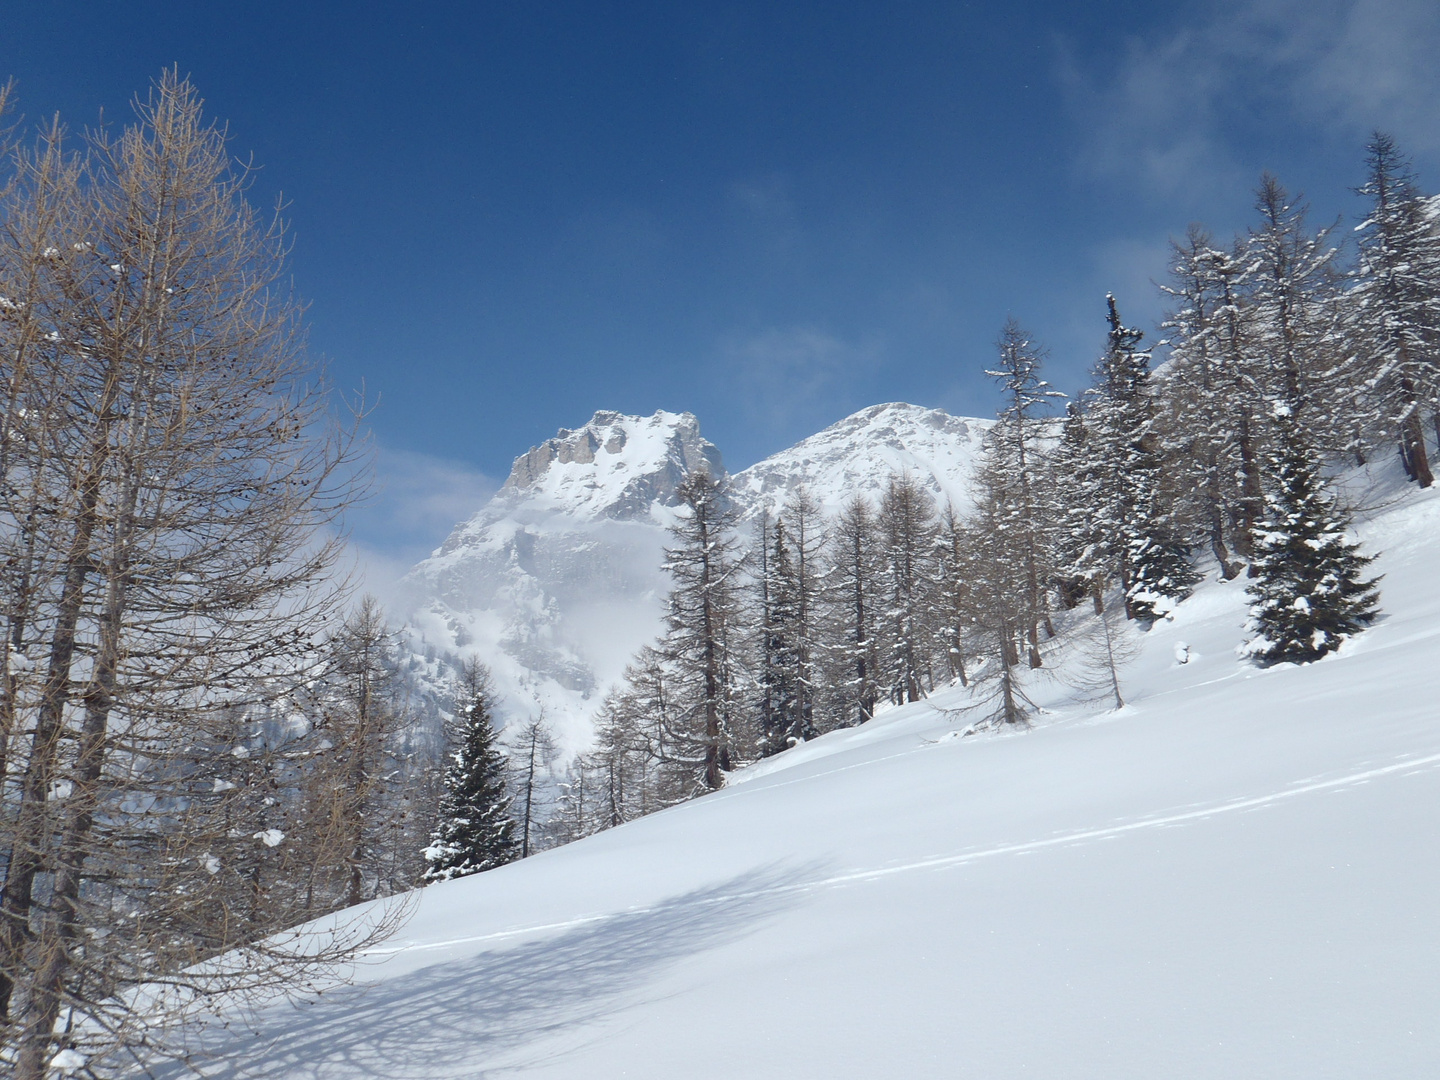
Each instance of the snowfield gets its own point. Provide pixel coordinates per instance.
(1235, 876)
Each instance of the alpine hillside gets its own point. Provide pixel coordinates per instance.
(1230, 876)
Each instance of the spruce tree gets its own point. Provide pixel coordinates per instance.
(476, 830)
(1310, 593)
(1120, 520)
(785, 721)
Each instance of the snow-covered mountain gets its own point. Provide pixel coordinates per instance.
(1233, 876)
(558, 581)
(859, 454)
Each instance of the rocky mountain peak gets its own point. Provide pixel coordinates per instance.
(615, 466)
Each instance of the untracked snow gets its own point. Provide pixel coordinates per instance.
(1233, 877)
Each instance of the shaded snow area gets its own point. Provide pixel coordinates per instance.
(1235, 876)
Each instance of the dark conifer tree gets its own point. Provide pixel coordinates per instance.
(785, 720)
(476, 830)
(1130, 529)
(1310, 593)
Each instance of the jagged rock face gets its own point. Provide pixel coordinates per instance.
(616, 466)
(558, 580)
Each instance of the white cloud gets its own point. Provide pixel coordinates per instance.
(1162, 113)
(416, 500)
(1376, 67)
(781, 373)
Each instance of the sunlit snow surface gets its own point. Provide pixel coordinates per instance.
(1236, 876)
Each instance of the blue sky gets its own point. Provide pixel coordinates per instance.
(510, 215)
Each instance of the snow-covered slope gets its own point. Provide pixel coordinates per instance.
(858, 455)
(1234, 876)
(557, 581)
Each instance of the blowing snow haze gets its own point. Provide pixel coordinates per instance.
(559, 579)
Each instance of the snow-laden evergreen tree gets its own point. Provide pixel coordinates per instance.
(1394, 306)
(1162, 573)
(1119, 505)
(852, 606)
(1022, 512)
(476, 829)
(1310, 592)
(705, 566)
(908, 532)
(785, 684)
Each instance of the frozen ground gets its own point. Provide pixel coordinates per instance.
(1236, 876)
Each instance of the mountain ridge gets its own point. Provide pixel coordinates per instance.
(558, 580)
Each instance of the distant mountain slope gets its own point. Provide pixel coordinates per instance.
(1234, 876)
(858, 455)
(557, 581)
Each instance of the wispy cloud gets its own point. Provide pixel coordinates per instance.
(784, 373)
(1375, 65)
(1162, 114)
(416, 501)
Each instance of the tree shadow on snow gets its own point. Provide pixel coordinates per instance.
(460, 1016)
